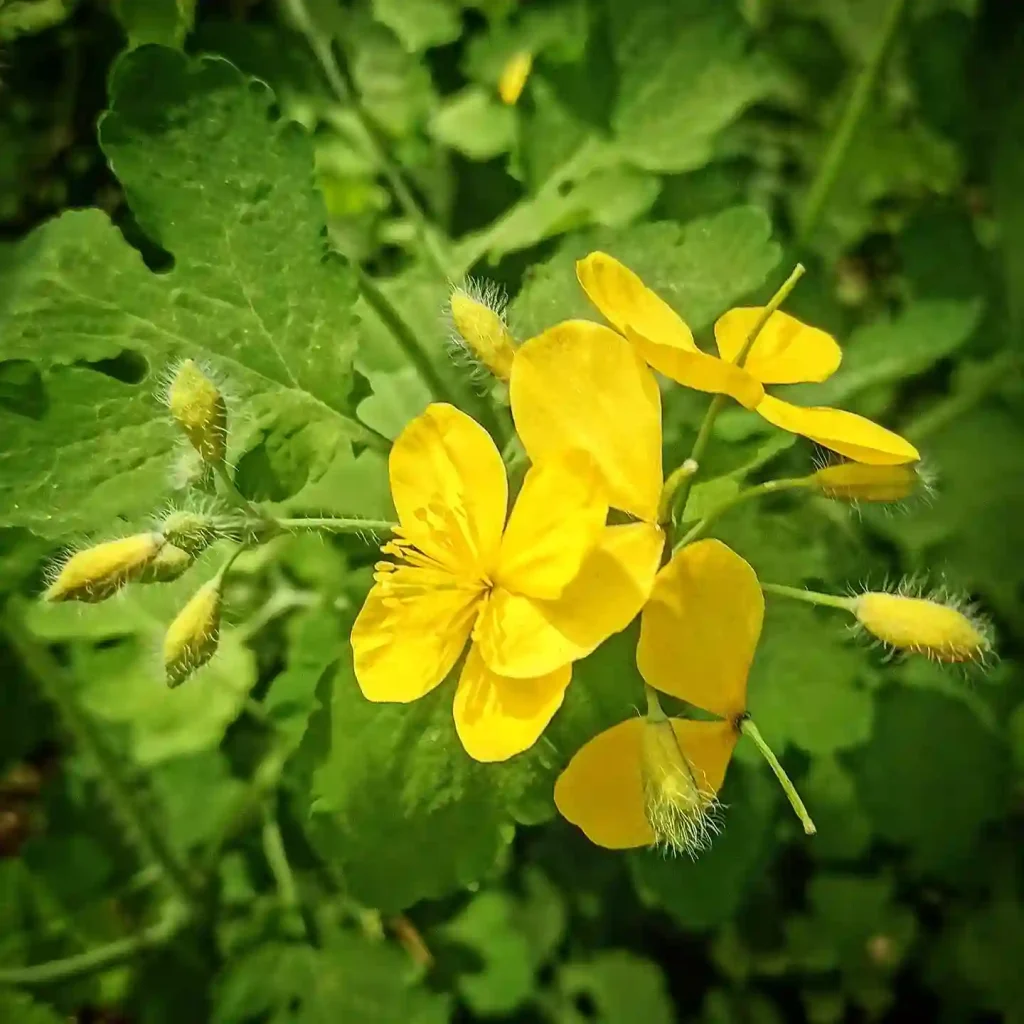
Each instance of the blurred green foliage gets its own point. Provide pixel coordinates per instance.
(169, 173)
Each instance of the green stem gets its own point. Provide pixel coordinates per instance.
(748, 728)
(718, 402)
(124, 801)
(768, 487)
(277, 861)
(655, 712)
(99, 959)
(809, 596)
(853, 112)
(230, 490)
(339, 525)
(321, 47)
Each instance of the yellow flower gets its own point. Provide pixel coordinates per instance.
(785, 352)
(580, 384)
(699, 630)
(514, 75)
(535, 593)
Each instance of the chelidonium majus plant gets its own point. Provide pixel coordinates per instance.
(510, 591)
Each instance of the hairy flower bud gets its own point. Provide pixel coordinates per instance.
(937, 629)
(477, 316)
(192, 638)
(678, 805)
(98, 572)
(855, 481)
(171, 563)
(199, 409)
(514, 75)
(190, 531)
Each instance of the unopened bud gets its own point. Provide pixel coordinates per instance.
(199, 409)
(854, 481)
(190, 531)
(514, 75)
(192, 638)
(937, 629)
(98, 572)
(171, 563)
(679, 806)
(480, 328)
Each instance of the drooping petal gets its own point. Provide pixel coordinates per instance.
(657, 332)
(700, 628)
(557, 521)
(523, 637)
(708, 746)
(786, 351)
(497, 717)
(845, 432)
(628, 304)
(405, 643)
(449, 488)
(601, 791)
(581, 386)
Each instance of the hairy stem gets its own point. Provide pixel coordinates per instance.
(809, 596)
(337, 525)
(748, 728)
(846, 128)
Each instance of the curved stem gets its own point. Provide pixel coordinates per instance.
(122, 796)
(748, 728)
(99, 959)
(768, 487)
(809, 596)
(340, 525)
(321, 47)
(839, 144)
(718, 402)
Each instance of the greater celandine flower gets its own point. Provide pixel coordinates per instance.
(535, 593)
(785, 351)
(654, 780)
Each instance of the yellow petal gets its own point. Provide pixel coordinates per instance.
(698, 370)
(449, 488)
(514, 75)
(581, 386)
(557, 521)
(845, 432)
(628, 304)
(523, 637)
(708, 747)
(403, 646)
(700, 628)
(786, 351)
(601, 791)
(497, 717)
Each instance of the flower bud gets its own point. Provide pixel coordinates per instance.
(190, 531)
(477, 317)
(192, 638)
(854, 481)
(199, 409)
(514, 75)
(679, 808)
(171, 563)
(94, 574)
(934, 628)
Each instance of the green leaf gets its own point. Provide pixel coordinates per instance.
(622, 987)
(350, 979)
(399, 807)
(20, 1008)
(475, 123)
(685, 73)
(252, 292)
(844, 831)
(420, 24)
(700, 269)
(704, 893)
(983, 944)
(805, 687)
(156, 21)
(26, 17)
(931, 776)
